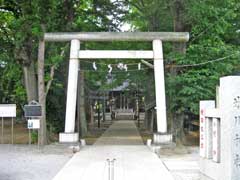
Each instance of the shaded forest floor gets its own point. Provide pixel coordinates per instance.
(190, 139)
(21, 135)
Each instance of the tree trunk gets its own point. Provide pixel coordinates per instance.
(81, 116)
(179, 26)
(178, 128)
(91, 115)
(42, 136)
(30, 82)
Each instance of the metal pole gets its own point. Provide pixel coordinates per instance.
(123, 101)
(109, 169)
(112, 168)
(38, 139)
(2, 130)
(12, 130)
(104, 107)
(98, 115)
(138, 119)
(120, 100)
(29, 137)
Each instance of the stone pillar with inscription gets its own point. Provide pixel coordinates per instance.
(229, 94)
(222, 162)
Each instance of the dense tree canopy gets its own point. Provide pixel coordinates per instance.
(192, 69)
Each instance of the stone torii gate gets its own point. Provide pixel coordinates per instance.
(156, 54)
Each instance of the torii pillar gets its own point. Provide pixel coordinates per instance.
(161, 136)
(159, 86)
(69, 134)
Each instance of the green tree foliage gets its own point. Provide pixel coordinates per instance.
(213, 27)
(214, 33)
(209, 24)
(22, 24)
(11, 87)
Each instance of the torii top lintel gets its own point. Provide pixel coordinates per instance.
(118, 36)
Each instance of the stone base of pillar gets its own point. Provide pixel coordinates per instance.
(162, 138)
(162, 141)
(68, 137)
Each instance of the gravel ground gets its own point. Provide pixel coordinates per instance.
(24, 162)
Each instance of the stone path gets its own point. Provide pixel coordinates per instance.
(134, 161)
(184, 169)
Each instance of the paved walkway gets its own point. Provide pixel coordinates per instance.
(184, 166)
(134, 161)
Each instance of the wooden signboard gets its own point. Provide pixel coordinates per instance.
(32, 111)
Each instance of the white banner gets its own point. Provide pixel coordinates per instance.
(7, 110)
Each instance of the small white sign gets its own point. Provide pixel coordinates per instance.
(33, 124)
(7, 110)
